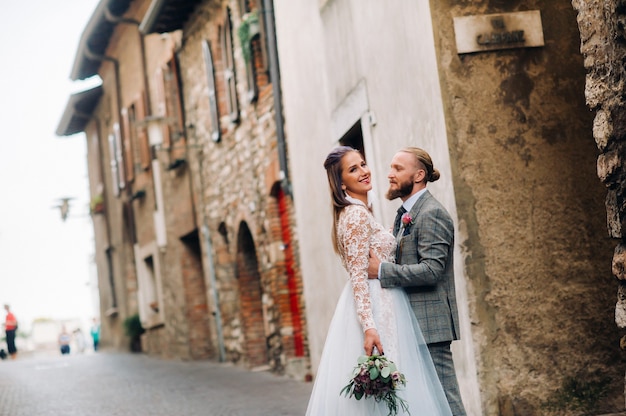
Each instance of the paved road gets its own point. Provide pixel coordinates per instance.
(110, 384)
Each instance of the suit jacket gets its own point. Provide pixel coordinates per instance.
(424, 267)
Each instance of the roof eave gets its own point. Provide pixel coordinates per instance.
(78, 111)
(150, 20)
(86, 62)
(167, 16)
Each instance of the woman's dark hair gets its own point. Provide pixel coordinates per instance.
(332, 164)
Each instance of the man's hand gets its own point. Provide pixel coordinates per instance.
(372, 268)
(372, 340)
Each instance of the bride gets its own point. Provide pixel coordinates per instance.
(368, 319)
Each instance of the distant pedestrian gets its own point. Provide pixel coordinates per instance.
(10, 328)
(64, 341)
(95, 334)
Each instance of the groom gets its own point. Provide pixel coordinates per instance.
(424, 262)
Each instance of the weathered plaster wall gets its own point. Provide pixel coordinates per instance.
(537, 254)
(354, 46)
(348, 60)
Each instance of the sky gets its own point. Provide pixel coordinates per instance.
(46, 264)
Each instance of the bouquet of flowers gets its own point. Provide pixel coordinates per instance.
(376, 376)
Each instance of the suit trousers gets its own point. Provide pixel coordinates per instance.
(442, 358)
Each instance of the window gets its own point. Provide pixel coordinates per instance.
(170, 108)
(128, 118)
(117, 160)
(216, 133)
(113, 297)
(253, 88)
(262, 35)
(230, 79)
(136, 151)
(141, 131)
(257, 68)
(354, 138)
(149, 289)
(95, 162)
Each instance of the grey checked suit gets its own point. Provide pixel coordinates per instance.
(424, 267)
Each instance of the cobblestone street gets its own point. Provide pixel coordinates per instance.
(107, 384)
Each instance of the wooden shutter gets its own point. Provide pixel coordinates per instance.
(129, 160)
(216, 134)
(95, 154)
(230, 79)
(113, 165)
(263, 35)
(174, 104)
(143, 142)
(119, 156)
(161, 109)
(253, 87)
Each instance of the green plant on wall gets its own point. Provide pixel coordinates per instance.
(96, 205)
(134, 329)
(248, 29)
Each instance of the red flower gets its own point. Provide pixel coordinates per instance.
(407, 220)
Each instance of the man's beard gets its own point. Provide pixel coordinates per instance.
(404, 189)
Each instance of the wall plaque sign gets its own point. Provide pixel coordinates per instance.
(498, 31)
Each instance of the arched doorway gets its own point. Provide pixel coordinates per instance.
(250, 295)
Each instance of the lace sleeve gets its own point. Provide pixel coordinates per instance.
(354, 238)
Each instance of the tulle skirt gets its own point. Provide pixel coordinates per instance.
(403, 343)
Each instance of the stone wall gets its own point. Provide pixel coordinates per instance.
(532, 217)
(602, 33)
(238, 178)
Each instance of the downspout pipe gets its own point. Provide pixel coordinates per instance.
(109, 16)
(88, 117)
(97, 57)
(107, 226)
(112, 18)
(272, 49)
(216, 301)
(118, 88)
(90, 54)
(268, 15)
(210, 261)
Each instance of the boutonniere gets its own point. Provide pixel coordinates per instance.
(407, 220)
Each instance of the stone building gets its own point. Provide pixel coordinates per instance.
(510, 132)
(187, 167)
(148, 253)
(237, 154)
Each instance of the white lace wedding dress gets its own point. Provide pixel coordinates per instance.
(363, 304)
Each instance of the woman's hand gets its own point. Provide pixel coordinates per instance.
(372, 340)
(372, 267)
